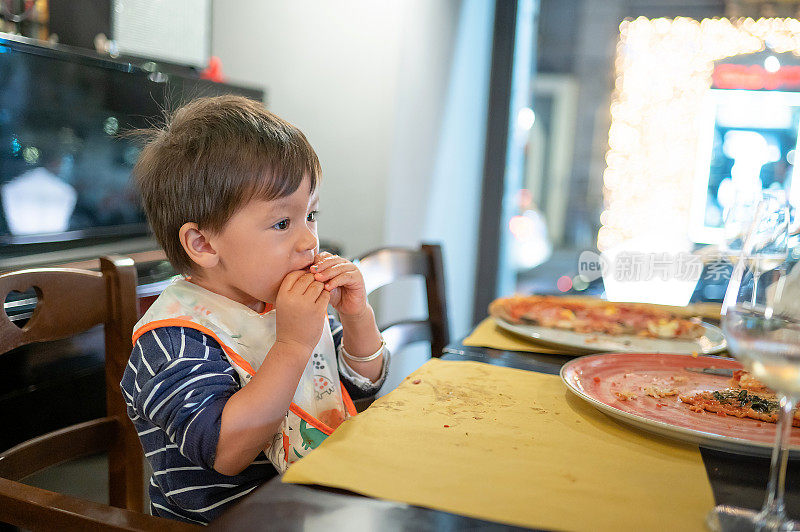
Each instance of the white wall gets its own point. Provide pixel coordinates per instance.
(392, 95)
(437, 163)
(330, 68)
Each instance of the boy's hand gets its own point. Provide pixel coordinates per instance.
(301, 307)
(344, 282)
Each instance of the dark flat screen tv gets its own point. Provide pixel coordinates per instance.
(65, 171)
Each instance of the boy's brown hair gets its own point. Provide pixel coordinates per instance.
(213, 156)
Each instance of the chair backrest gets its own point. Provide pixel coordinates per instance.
(71, 301)
(386, 265)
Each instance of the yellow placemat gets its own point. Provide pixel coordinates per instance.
(488, 334)
(510, 446)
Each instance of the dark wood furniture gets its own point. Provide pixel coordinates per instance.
(735, 479)
(383, 266)
(70, 301)
(63, 379)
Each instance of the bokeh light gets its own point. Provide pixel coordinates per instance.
(579, 284)
(526, 118)
(31, 155)
(111, 125)
(772, 64)
(564, 283)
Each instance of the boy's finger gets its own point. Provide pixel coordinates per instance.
(333, 271)
(327, 263)
(290, 279)
(319, 257)
(345, 279)
(314, 290)
(302, 284)
(324, 298)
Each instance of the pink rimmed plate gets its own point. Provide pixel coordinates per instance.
(617, 384)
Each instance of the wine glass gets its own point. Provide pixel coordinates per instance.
(761, 321)
(739, 216)
(736, 220)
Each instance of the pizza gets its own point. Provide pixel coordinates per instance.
(744, 397)
(587, 315)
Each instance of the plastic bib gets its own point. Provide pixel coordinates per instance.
(320, 402)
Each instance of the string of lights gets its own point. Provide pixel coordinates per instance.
(663, 72)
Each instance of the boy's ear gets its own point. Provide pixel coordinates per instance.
(197, 246)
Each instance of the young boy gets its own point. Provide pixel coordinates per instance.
(235, 367)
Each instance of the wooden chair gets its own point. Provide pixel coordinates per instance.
(71, 301)
(386, 265)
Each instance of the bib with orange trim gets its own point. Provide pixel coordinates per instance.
(320, 403)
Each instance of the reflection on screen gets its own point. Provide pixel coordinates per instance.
(38, 201)
(64, 168)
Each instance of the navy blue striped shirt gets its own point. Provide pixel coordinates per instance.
(175, 385)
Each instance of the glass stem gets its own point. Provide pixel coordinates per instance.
(756, 277)
(772, 513)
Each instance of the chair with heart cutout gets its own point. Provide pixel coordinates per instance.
(71, 301)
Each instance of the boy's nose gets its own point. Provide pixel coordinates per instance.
(308, 241)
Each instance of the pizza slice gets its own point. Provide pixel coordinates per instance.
(745, 397)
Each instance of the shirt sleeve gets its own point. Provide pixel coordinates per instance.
(356, 384)
(181, 385)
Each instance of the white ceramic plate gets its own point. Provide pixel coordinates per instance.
(711, 342)
(596, 378)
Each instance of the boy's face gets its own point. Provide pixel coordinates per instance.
(261, 243)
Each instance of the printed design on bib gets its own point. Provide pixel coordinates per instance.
(290, 454)
(296, 439)
(311, 437)
(332, 417)
(322, 383)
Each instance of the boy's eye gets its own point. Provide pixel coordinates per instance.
(312, 216)
(282, 225)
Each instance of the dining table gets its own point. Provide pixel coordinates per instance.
(735, 479)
